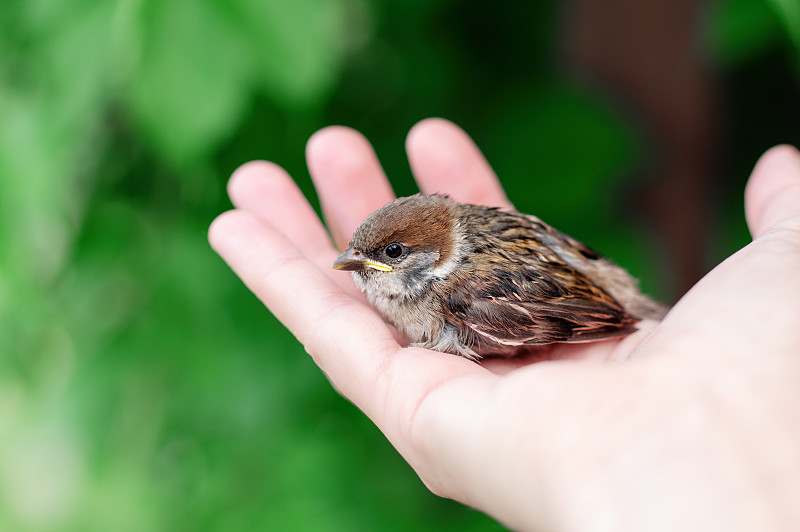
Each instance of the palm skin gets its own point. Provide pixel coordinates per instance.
(688, 424)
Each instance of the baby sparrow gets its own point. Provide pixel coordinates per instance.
(476, 281)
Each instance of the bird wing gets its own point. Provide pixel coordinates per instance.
(528, 305)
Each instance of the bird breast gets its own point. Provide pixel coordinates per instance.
(414, 312)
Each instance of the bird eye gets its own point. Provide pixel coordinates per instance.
(393, 250)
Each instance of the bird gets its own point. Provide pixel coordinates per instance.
(480, 281)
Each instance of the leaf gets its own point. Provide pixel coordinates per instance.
(789, 13)
(189, 87)
(298, 47)
(572, 148)
(199, 63)
(739, 30)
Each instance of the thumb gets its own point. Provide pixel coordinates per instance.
(772, 196)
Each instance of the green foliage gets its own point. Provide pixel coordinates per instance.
(741, 29)
(141, 386)
(789, 13)
(744, 29)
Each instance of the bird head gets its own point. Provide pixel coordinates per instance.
(399, 248)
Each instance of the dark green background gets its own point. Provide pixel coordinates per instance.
(142, 387)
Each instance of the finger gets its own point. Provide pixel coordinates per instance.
(772, 196)
(300, 295)
(755, 286)
(444, 159)
(347, 339)
(348, 177)
(266, 190)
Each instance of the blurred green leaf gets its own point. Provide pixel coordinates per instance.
(789, 13)
(741, 29)
(561, 151)
(298, 46)
(187, 90)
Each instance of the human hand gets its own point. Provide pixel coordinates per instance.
(691, 424)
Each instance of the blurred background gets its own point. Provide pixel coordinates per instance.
(142, 387)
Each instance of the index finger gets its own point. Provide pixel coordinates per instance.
(348, 178)
(445, 159)
(347, 339)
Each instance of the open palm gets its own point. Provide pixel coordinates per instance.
(608, 435)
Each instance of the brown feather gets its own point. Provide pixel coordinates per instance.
(421, 222)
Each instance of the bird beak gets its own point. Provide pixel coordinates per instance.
(354, 261)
